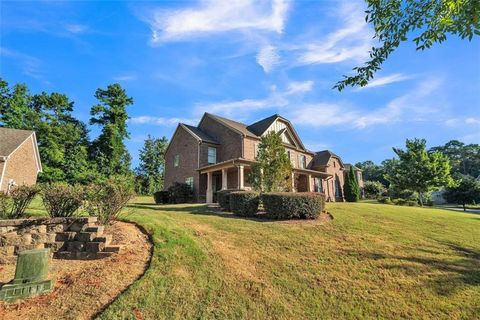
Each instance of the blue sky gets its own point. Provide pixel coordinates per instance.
(245, 60)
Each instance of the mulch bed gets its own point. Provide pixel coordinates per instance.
(84, 287)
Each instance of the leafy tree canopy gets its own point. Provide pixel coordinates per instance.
(150, 172)
(465, 191)
(273, 170)
(464, 159)
(429, 21)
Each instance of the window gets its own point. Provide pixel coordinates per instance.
(302, 161)
(317, 184)
(189, 182)
(290, 157)
(212, 155)
(176, 160)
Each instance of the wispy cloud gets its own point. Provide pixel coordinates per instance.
(213, 17)
(245, 107)
(268, 58)
(382, 81)
(125, 77)
(458, 122)
(30, 66)
(472, 120)
(160, 121)
(76, 28)
(349, 42)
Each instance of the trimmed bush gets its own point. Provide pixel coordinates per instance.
(13, 205)
(223, 198)
(105, 201)
(299, 205)
(180, 193)
(161, 197)
(385, 200)
(62, 200)
(244, 203)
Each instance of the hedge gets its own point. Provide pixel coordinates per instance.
(180, 193)
(161, 197)
(244, 203)
(223, 198)
(288, 205)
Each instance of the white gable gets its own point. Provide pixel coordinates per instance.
(282, 128)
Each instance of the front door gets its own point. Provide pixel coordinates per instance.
(216, 185)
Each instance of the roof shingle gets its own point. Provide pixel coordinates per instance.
(10, 139)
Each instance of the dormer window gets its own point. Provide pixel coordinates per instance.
(176, 160)
(212, 155)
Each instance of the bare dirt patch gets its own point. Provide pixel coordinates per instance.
(84, 287)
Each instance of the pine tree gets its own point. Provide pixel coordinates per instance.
(151, 170)
(108, 150)
(351, 188)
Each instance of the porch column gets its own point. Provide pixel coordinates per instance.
(224, 179)
(309, 181)
(240, 177)
(293, 182)
(209, 188)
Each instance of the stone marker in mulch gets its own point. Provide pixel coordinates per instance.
(30, 276)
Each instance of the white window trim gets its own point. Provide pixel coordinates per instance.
(208, 155)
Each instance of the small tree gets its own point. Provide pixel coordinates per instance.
(351, 188)
(273, 170)
(152, 165)
(373, 189)
(466, 191)
(418, 170)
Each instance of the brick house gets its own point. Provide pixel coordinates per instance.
(218, 152)
(19, 158)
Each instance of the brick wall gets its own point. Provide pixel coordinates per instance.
(186, 146)
(230, 141)
(21, 166)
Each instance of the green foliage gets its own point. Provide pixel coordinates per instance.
(62, 200)
(385, 200)
(272, 171)
(180, 193)
(418, 170)
(106, 200)
(373, 189)
(62, 139)
(244, 203)
(108, 149)
(351, 189)
(6, 206)
(374, 172)
(151, 170)
(464, 159)
(223, 199)
(298, 205)
(14, 204)
(465, 191)
(161, 197)
(430, 20)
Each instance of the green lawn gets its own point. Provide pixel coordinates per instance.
(371, 261)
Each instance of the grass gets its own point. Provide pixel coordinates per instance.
(371, 261)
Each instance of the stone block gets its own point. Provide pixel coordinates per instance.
(39, 229)
(60, 227)
(75, 246)
(50, 237)
(65, 236)
(97, 229)
(76, 226)
(94, 246)
(7, 250)
(106, 238)
(39, 238)
(56, 246)
(85, 236)
(112, 249)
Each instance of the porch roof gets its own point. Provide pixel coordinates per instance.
(224, 164)
(313, 172)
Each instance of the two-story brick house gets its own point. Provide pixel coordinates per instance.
(218, 152)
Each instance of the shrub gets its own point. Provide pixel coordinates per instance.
(180, 193)
(385, 200)
(6, 205)
(62, 200)
(244, 203)
(223, 199)
(161, 197)
(106, 200)
(400, 201)
(22, 196)
(411, 203)
(373, 189)
(300, 205)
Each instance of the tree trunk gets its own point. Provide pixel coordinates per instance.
(464, 207)
(420, 197)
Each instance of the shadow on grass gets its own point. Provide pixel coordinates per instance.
(463, 269)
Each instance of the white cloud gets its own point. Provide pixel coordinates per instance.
(472, 120)
(350, 42)
(30, 66)
(268, 58)
(244, 107)
(125, 77)
(76, 28)
(214, 16)
(159, 121)
(382, 81)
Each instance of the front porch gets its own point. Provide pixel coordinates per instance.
(232, 174)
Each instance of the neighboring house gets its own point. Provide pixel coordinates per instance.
(218, 152)
(19, 158)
